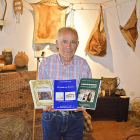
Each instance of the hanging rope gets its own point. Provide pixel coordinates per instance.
(5, 9)
(38, 2)
(1, 26)
(103, 3)
(90, 3)
(136, 4)
(117, 12)
(71, 16)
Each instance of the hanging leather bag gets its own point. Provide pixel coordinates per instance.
(110, 84)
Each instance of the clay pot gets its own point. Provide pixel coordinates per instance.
(1, 57)
(8, 58)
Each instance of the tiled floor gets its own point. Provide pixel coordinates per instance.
(112, 130)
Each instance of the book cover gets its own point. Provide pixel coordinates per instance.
(65, 97)
(87, 93)
(42, 93)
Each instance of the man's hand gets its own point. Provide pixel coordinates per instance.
(49, 108)
(80, 109)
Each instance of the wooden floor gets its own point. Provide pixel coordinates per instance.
(112, 130)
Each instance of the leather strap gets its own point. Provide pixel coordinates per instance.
(1, 26)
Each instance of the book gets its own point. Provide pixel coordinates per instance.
(87, 93)
(65, 94)
(42, 93)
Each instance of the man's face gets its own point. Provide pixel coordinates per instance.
(67, 44)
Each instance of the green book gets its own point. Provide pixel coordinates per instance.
(87, 93)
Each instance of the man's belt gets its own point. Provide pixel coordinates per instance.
(64, 113)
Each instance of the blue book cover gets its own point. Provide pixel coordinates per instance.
(65, 94)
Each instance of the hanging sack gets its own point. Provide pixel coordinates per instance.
(110, 84)
(120, 92)
(129, 30)
(97, 43)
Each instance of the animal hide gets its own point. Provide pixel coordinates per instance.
(129, 31)
(49, 18)
(97, 44)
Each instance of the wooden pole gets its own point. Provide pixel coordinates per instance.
(34, 106)
(33, 123)
(37, 67)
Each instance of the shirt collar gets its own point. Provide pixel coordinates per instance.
(61, 61)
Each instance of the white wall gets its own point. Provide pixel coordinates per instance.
(120, 60)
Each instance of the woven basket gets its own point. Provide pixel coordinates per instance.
(21, 59)
(13, 128)
(21, 105)
(16, 81)
(16, 99)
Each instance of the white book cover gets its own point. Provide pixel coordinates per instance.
(42, 93)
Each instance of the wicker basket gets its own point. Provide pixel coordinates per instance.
(13, 128)
(21, 59)
(16, 99)
(16, 81)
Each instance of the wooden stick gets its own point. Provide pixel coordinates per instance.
(33, 124)
(34, 106)
(37, 66)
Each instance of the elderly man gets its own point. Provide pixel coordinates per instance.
(64, 66)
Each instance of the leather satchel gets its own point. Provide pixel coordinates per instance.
(110, 84)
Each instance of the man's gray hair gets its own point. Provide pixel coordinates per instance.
(66, 28)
